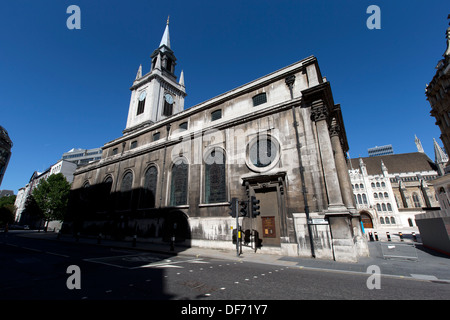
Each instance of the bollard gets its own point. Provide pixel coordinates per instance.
(134, 240)
(370, 236)
(376, 236)
(401, 236)
(388, 236)
(172, 243)
(414, 237)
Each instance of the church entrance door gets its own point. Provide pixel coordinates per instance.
(366, 220)
(268, 222)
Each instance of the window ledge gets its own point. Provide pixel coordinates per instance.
(213, 204)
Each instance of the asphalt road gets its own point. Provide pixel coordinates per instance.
(33, 269)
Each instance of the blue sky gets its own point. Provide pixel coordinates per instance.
(62, 89)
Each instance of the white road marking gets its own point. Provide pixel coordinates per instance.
(423, 276)
(57, 254)
(162, 266)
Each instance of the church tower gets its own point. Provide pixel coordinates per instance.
(157, 94)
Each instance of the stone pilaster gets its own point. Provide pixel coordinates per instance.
(341, 166)
(319, 114)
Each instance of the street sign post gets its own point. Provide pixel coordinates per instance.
(234, 213)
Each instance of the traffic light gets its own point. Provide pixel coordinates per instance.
(255, 207)
(233, 207)
(243, 208)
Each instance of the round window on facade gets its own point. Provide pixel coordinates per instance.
(263, 153)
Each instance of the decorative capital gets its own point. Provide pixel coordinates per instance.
(319, 111)
(290, 80)
(334, 128)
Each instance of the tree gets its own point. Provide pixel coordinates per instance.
(52, 196)
(32, 212)
(7, 209)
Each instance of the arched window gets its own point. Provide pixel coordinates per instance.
(392, 220)
(387, 220)
(381, 220)
(141, 102)
(361, 185)
(375, 195)
(168, 103)
(386, 195)
(359, 199)
(356, 186)
(416, 200)
(389, 207)
(85, 191)
(108, 181)
(125, 191)
(384, 207)
(364, 198)
(383, 184)
(378, 184)
(410, 222)
(148, 191)
(179, 183)
(215, 185)
(380, 195)
(372, 185)
(105, 194)
(378, 207)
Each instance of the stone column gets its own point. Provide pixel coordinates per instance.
(319, 114)
(338, 215)
(341, 166)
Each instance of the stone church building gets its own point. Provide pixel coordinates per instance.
(174, 171)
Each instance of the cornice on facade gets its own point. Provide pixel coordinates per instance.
(218, 100)
(176, 139)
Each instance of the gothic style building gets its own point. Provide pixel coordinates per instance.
(438, 95)
(173, 172)
(5, 151)
(391, 190)
(433, 225)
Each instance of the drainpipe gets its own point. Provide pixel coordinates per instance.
(290, 82)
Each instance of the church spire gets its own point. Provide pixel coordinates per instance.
(181, 82)
(439, 154)
(164, 96)
(418, 144)
(139, 72)
(163, 57)
(165, 41)
(440, 158)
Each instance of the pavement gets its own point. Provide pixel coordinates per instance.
(395, 258)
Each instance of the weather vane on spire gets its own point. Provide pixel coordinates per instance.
(168, 17)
